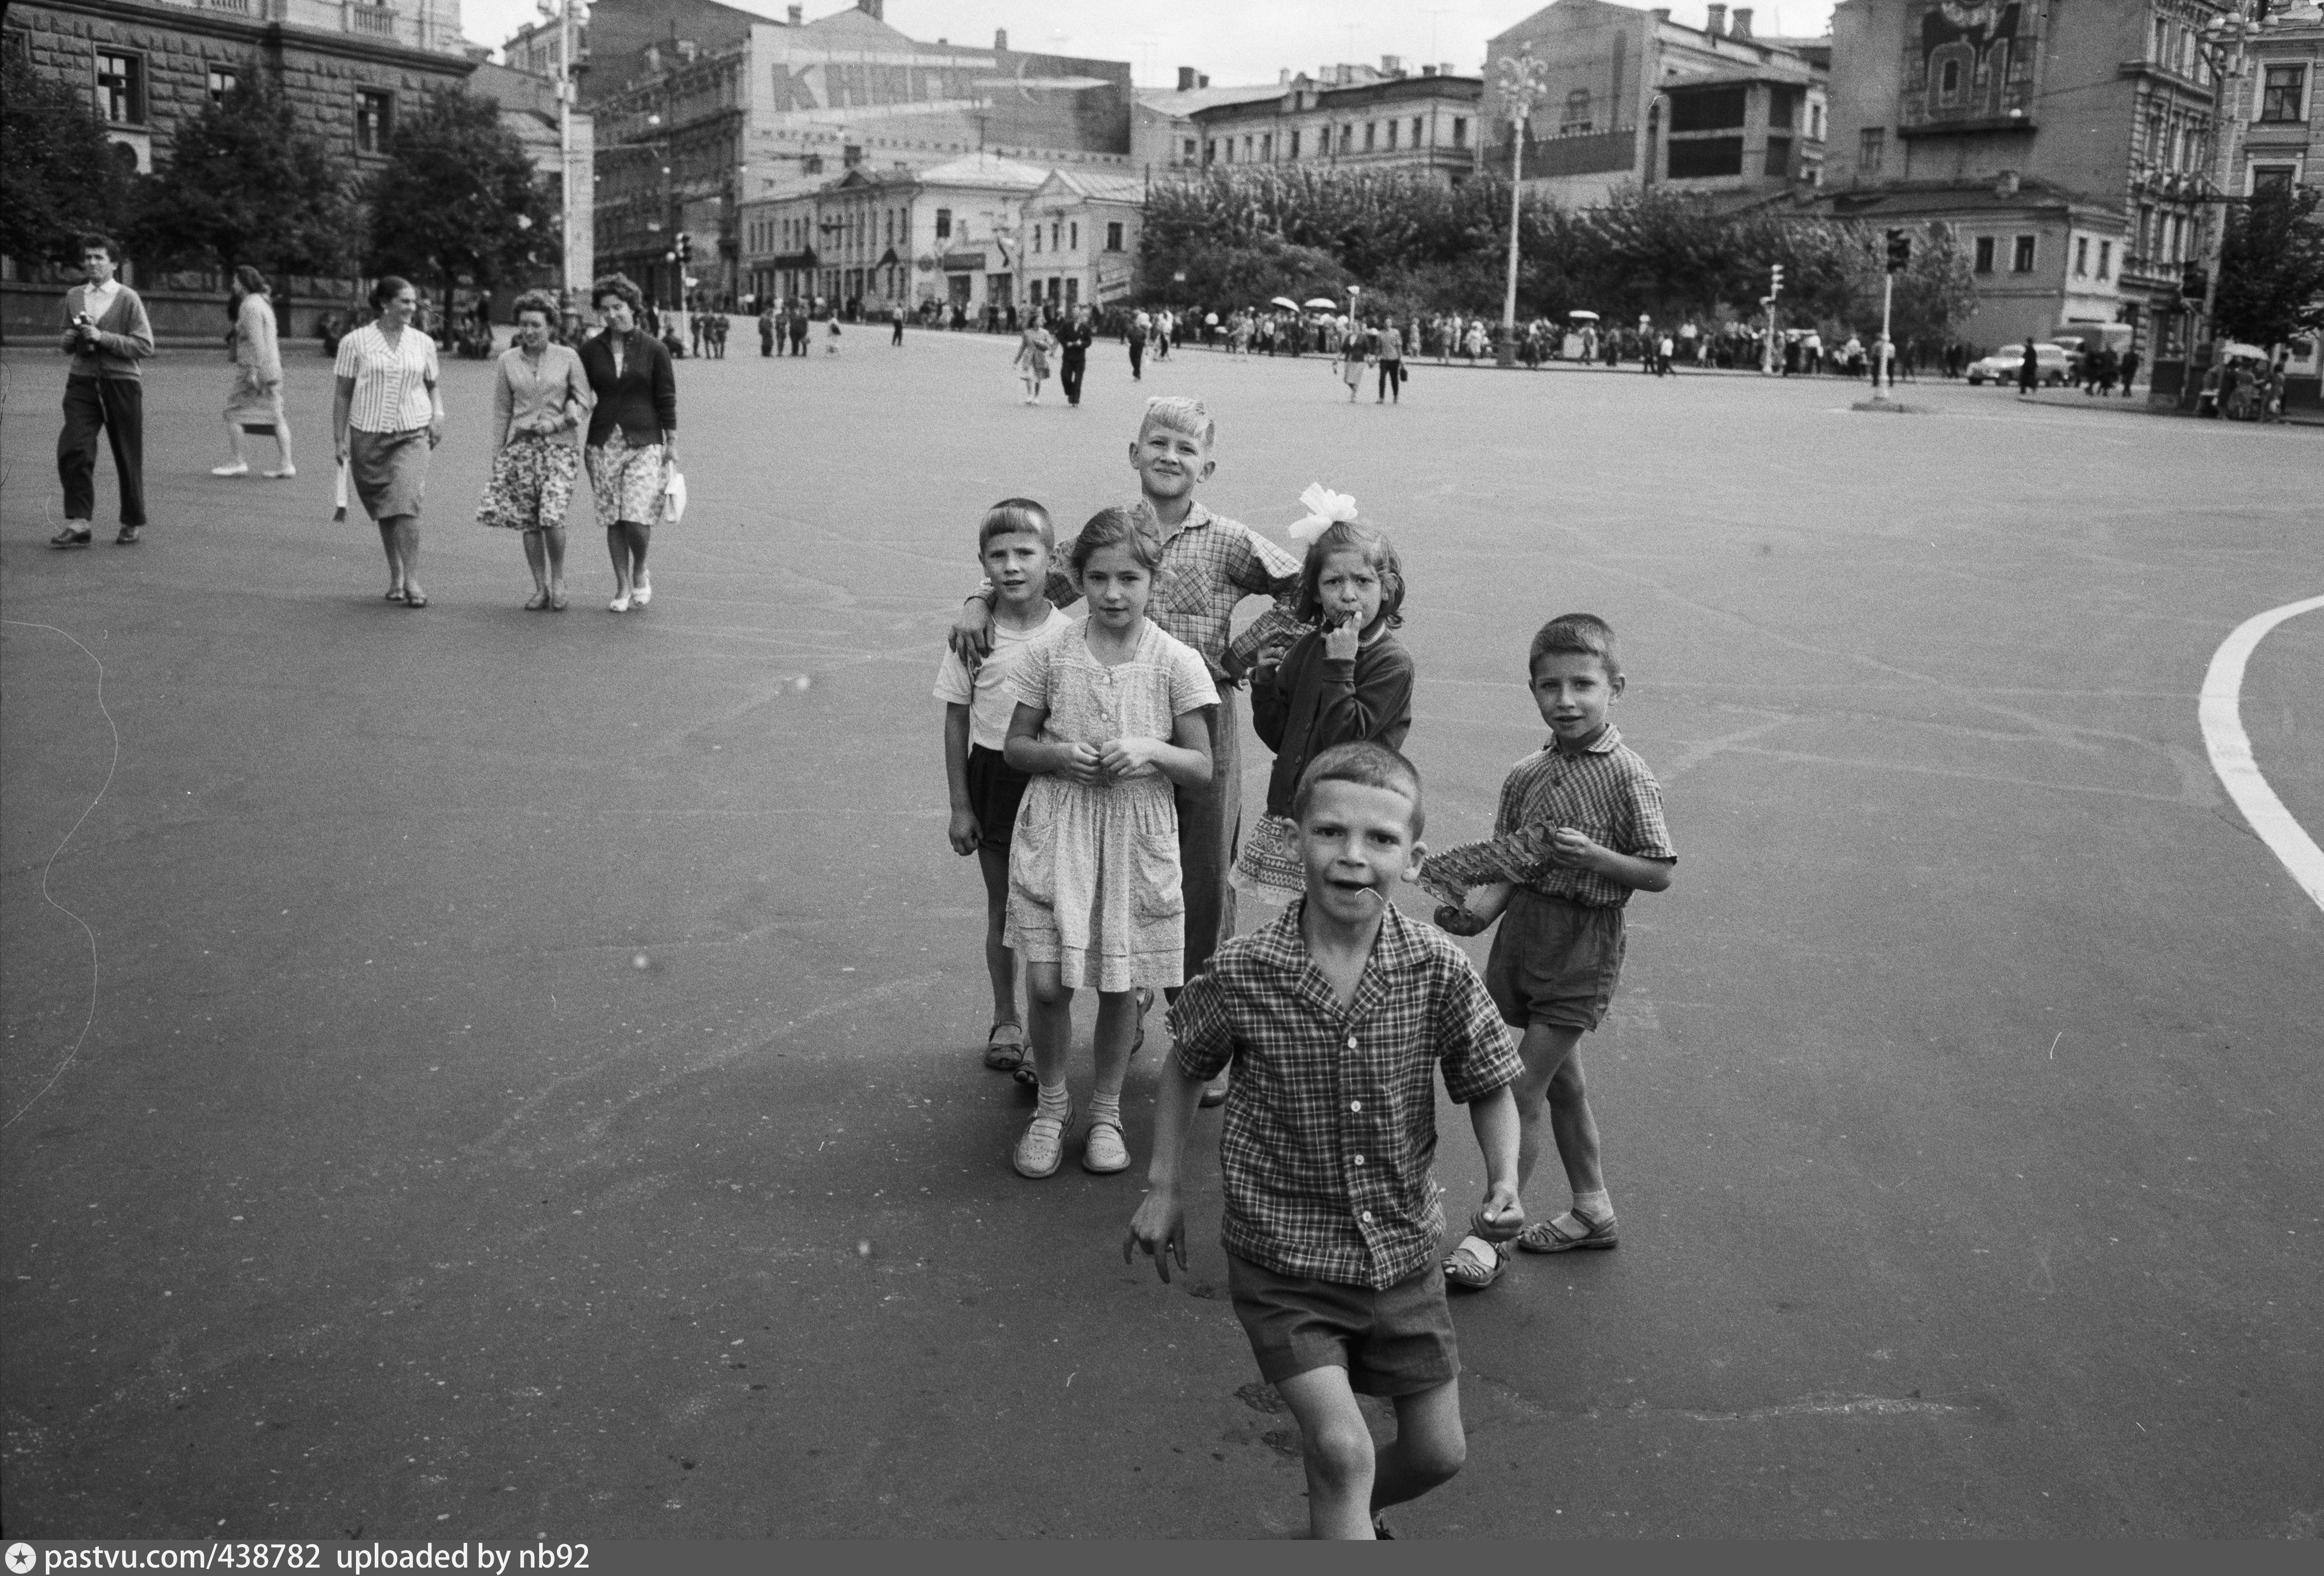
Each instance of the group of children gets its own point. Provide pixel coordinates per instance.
(1094, 771)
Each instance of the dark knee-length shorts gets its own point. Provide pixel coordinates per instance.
(1554, 962)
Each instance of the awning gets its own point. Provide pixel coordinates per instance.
(963, 262)
(888, 260)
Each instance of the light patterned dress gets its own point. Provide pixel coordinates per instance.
(1093, 879)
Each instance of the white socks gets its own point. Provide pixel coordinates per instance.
(1054, 1104)
(1107, 1109)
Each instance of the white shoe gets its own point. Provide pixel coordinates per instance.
(279, 473)
(1103, 1152)
(619, 604)
(1042, 1149)
(234, 469)
(641, 593)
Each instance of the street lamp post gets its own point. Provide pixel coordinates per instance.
(1521, 81)
(2222, 44)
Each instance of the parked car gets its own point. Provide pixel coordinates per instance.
(2056, 362)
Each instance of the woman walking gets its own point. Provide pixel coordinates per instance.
(632, 434)
(540, 396)
(253, 400)
(386, 415)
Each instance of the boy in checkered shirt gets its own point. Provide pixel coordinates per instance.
(1580, 828)
(1336, 1018)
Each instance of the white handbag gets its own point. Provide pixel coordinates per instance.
(673, 497)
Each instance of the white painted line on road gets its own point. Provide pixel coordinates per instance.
(2231, 752)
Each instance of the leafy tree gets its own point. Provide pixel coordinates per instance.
(2271, 269)
(460, 198)
(1936, 296)
(243, 185)
(60, 176)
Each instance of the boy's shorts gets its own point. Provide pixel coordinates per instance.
(995, 789)
(1554, 962)
(1395, 1342)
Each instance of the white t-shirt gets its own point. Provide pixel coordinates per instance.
(990, 706)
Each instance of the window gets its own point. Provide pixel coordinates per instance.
(1391, 133)
(2021, 255)
(374, 119)
(1371, 129)
(1779, 158)
(1113, 235)
(121, 88)
(1459, 131)
(1815, 123)
(1036, 239)
(1072, 292)
(2178, 236)
(1780, 104)
(1074, 236)
(2146, 228)
(2272, 177)
(1418, 123)
(1190, 150)
(1054, 228)
(1706, 109)
(1949, 82)
(1871, 148)
(1699, 158)
(2081, 257)
(2161, 41)
(1210, 151)
(2105, 258)
(223, 81)
(2280, 99)
(1985, 255)
(1347, 139)
(1246, 150)
(944, 224)
(1295, 144)
(1230, 150)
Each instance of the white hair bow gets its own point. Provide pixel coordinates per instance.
(1326, 509)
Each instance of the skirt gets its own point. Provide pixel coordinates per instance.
(253, 402)
(626, 482)
(1269, 865)
(532, 487)
(1095, 885)
(388, 470)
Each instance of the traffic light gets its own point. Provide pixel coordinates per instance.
(2194, 282)
(1775, 280)
(1900, 250)
(685, 247)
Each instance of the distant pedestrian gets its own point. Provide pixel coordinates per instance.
(107, 333)
(1074, 343)
(386, 417)
(1033, 347)
(2029, 371)
(831, 334)
(799, 323)
(1352, 344)
(1140, 326)
(896, 326)
(254, 402)
(1662, 348)
(541, 404)
(767, 322)
(1389, 353)
(632, 435)
(2129, 373)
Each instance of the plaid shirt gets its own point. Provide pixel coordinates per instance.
(1210, 564)
(1603, 791)
(1331, 1120)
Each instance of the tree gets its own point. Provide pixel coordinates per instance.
(460, 198)
(2271, 269)
(1936, 296)
(243, 185)
(60, 175)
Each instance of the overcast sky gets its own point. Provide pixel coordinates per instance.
(1230, 41)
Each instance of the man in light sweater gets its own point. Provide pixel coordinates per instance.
(106, 334)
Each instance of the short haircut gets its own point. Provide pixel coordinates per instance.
(1584, 634)
(1118, 528)
(386, 288)
(1179, 413)
(1014, 517)
(1342, 536)
(537, 301)
(93, 242)
(618, 286)
(1366, 763)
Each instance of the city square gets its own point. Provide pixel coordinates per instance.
(477, 1073)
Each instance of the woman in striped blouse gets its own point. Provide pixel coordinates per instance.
(387, 415)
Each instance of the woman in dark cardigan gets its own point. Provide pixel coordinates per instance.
(632, 434)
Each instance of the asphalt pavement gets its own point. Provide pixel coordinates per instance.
(519, 1077)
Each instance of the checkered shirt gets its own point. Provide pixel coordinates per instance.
(1210, 564)
(1331, 1120)
(1603, 791)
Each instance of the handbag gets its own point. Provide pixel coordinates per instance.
(673, 497)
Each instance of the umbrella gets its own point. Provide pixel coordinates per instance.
(1583, 316)
(2253, 351)
(1323, 304)
(1286, 302)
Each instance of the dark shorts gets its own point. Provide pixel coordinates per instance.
(1395, 1343)
(995, 789)
(1554, 962)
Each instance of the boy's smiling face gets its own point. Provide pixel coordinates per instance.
(1574, 690)
(1017, 563)
(1170, 463)
(1356, 842)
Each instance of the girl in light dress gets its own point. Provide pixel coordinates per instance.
(1033, 358)
(1346, 678)
(1109, 721)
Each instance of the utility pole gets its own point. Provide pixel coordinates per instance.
(2226, 141)
(1900, 257)
(1522, 81)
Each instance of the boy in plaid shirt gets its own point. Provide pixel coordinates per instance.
(1580, 828)
(1336, 1018)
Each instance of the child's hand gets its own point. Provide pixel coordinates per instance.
(1159, 1230)
(1460, 921)
(970, 635)
(1082, 765)
(964, 833)
(1341, 641)
(1500, 1217)
(1121, 756)
(1570, 849)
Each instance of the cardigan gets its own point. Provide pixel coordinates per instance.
(124, 335)
(642, 400)
(1315, 703)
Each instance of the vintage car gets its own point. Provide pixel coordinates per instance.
(2056, 362)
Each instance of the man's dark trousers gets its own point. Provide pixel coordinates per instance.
(1137, 359)
(1070, 368)
(117, 407)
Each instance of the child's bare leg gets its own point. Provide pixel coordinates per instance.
(1052, 1027)
(1429, 1448)
(1117, 1027)
(1000, 958)
(1549, 1095)
(1336, 1446)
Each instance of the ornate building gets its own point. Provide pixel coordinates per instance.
(1351, 116)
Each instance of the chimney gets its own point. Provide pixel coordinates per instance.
(1428, 70)
(798, 16)
(2006, 185)
(1203, 80)
(1391, 65)
(1742, 26)
(1448, 69)
(1000, 40)
(873, 8)
(1717, 22)
(1283, 76)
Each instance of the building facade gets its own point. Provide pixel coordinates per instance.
(2279, 144)
(1351, 117)
(1080, 236)
(1632, 99)
(1164, 140)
